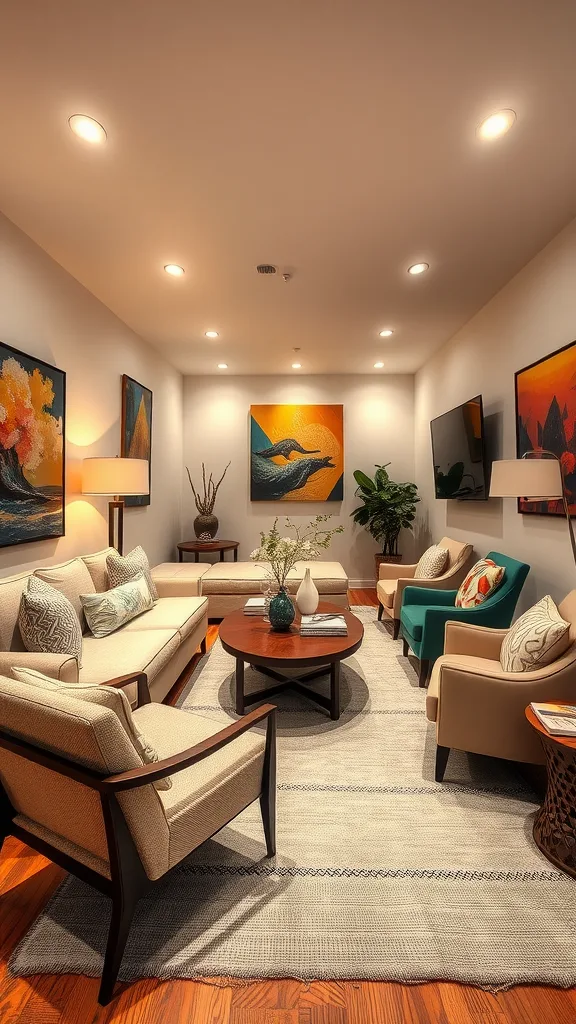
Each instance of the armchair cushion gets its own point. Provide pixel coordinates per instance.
(425, 596)
(48, 622)
(386, 589)
(537, 638)
(413, 616)
(480, 582)
(432, 563)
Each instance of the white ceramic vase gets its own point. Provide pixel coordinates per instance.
(307, 597)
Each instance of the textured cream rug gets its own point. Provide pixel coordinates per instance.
(380, 873)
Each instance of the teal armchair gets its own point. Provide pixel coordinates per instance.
(424, 612)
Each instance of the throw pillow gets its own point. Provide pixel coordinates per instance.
(432, 563)
(108, 611)
(123, 568)
(481, 581)
(48, 622)
(107, 697)
(536, 639)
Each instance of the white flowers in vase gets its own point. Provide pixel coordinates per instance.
(282, 553)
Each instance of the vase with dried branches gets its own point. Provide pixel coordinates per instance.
(206, 523)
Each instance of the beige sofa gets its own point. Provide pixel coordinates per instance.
(480, 708)
(160, 642)
(228, 585)
(395, 578)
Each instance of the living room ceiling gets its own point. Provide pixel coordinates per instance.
(335, 140)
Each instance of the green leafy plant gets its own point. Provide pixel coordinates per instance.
(387, 507)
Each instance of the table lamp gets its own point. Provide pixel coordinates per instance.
(113, 477)
(533, 478)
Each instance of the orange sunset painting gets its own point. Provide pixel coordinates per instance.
(296, 453)
(546, 418)
(32, 406)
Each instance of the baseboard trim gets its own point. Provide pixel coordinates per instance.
(362, 584)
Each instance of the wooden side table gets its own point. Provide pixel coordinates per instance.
(555, 825)
(198, 547)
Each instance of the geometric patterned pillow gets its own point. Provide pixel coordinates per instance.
(432, 563)
(123, 568)
(48, 621)
(480, 582)
(106, 696)
(106, 612)
(536, 639)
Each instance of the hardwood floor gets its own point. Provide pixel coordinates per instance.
(27, 880)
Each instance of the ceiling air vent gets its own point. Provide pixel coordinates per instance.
(266, 268)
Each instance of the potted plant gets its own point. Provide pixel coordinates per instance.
(206, 523)
(387, 507)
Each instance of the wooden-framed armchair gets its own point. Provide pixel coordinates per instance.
(74, 787)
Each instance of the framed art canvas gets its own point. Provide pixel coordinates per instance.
(32, 455)
(546, 418)
(296, 453)
(136, 430)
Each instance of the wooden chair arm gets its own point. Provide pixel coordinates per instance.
(140, 678)
(150, 773)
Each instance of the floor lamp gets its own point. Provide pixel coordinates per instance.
(533, 478)
(111, 478)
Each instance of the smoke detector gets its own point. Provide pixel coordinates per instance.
(266, 268)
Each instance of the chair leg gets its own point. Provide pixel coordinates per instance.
(441, 762)
(405, 647)
(423, 672)
(380, 610)
(203, 646)
(122, 914)
(268, 794)
(395, 628)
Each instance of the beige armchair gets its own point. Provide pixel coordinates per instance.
(74, 787)
(480, 708)
(393, 579)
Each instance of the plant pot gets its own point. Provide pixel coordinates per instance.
(281, 612)
(307, 596)
(206, 526)
(389, 559)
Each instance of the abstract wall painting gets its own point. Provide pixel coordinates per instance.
(546, 418)
(136, 428)
(296, 453)
(32, 456)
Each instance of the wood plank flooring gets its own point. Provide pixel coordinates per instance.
(27, 880)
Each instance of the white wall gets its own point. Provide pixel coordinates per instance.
(532, 316)
(378, 428)
(47, 313)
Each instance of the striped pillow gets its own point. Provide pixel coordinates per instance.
(536, 639)
(432, 563)
(480, 582)
(123, 568)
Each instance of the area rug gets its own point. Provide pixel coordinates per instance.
(381, 873)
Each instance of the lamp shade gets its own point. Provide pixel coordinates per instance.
(534, 479)
(115, 476)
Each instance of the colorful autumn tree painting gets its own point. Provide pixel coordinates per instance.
(31, 449)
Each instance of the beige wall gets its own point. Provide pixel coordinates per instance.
(378, 428)
(532, 316)
(46, 313)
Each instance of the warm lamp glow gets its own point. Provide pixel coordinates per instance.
(497, 124)
(386, 333)
(533, 479)
(87, 128)
(174, 270)
(211, 334)
(115, 476)
(418, 268)
(378, 366)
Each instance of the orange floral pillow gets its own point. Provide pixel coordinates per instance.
(481, 581)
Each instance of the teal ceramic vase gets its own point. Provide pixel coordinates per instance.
(281, 611)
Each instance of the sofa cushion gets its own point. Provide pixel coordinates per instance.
(123, 568)
(48, 622)
(71, 579)
(181, 613)
(209, 792)
(386, 590)
(115, 607)
(329, 577)
(11, 590)
(179, 579)
(536, 639)
(413, 620)
(96, 565)
(123, 652)
(234, 578)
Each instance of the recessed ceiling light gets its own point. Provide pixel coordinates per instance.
(222, 366)
(378, 366)
(418, 268)
(497, 124)
(211, 334)
(386, 333)
(87, 128)
(174, 269)
(296, 366)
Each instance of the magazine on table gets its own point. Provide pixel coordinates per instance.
(323, 624)
(557, 719)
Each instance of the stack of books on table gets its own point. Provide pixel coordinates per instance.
(323, 625)
(255, 606)
(557, 719)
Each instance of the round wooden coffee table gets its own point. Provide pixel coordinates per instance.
(249, 639)
(201, 547)
(555, 824)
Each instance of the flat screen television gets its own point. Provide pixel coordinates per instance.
(458, 453)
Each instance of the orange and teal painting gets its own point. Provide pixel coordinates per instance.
(32, 410)
(546, 419)
(296, 453)
(136, 439)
